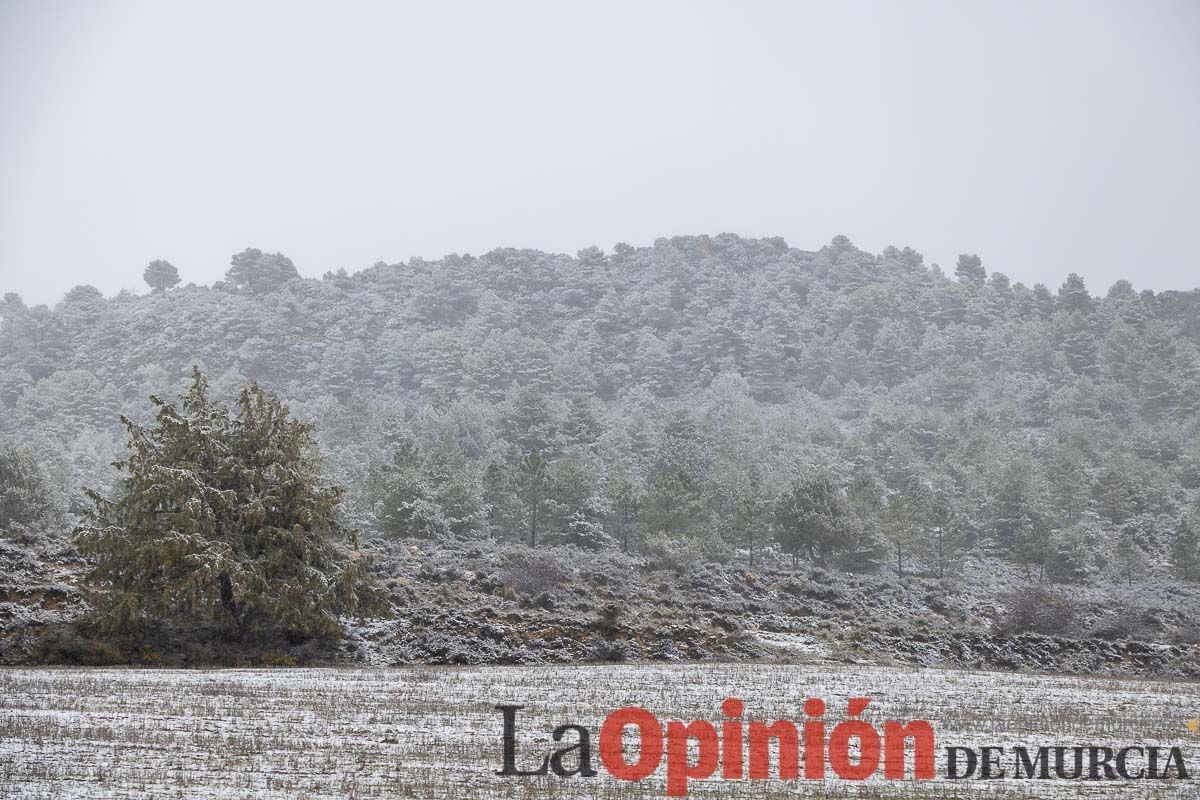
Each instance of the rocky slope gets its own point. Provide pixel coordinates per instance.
(38, 591)
(485, 603)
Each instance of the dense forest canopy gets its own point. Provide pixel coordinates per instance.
(688, 394)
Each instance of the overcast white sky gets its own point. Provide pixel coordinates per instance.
(1048, 137)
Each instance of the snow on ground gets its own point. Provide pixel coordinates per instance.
(432, 732)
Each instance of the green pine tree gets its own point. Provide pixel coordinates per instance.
(26, 496)
(408, 507)
(222, 524)
(812, 519)
(1185, 550)
(533, 484)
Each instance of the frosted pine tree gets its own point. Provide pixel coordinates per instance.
(222, 524)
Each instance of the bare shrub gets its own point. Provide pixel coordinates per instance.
(680, 553)
(1036, 609)
(609, 620)
(1127, 618)
(611, 651)
(1188, 633)
(532, 572)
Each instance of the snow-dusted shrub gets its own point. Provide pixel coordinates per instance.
(1125, 621)
(531, 571)
(66, 645)
(610, 650)
(680, 553)
(1037, 609)
(1188, 632)
(583, 533)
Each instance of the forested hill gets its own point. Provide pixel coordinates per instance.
(675, 392)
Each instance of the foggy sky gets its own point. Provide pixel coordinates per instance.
(1048, 137)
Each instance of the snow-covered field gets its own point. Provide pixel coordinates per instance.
(433, 732)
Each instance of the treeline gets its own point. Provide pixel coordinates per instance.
(706, 395)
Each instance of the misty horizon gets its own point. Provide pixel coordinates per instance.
(1048, 139)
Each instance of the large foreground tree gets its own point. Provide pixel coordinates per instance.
(222, 523)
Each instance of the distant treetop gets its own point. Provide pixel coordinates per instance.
(258, 272)
(161, 275)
